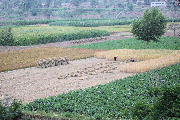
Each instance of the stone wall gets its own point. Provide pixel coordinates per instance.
(51, 62)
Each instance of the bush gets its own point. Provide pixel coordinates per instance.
(10, 112)
(141, 110)
(6, 36)
(167, 106)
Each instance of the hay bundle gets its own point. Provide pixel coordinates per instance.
(51, 62)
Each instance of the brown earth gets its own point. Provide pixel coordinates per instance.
(34, 83)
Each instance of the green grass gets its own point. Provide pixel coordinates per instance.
(132, 43)
(114, 100)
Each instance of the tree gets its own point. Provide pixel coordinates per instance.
(150, 27)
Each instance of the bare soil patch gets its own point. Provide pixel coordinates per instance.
(34, 83)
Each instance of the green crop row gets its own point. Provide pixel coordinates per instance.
(74, 22)
(172, 43)
(90, 23)
(29, 35)
(26, 22)
(39, 38)
(115, 100)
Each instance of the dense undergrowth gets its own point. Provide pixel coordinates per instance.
(171, 43)
(121, 98)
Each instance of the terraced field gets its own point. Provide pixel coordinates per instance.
(115, 100)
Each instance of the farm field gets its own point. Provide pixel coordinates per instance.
(34, 83)
(30, 35)
(41, 34)
(115, 100)
(132, 43)
(89, 60)
(29, 57)
(91, 23)
(145, 60)
(31, 83)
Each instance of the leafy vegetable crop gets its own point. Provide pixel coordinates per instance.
(114, 100)
(172, 43)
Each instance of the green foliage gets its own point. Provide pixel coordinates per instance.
(115, 100)
(150, 27)
(132, 43)
(166, 106)
(140, 110)
(10, 112)
(6, 36)
(90, 23)
(42, 38)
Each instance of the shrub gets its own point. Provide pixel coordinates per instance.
(140, 110)
(12, 111)
(6, 36)
(167, 106)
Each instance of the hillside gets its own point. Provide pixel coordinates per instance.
(55, 9)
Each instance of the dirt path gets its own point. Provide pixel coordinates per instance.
(33, 83)
(113, 36)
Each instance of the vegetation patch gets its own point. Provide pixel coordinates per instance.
(115, 100)
(91, 23)
(116, 28)
(29, 57)
(25, 22)
(46, 34)
(30, 35)
(171, 43)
